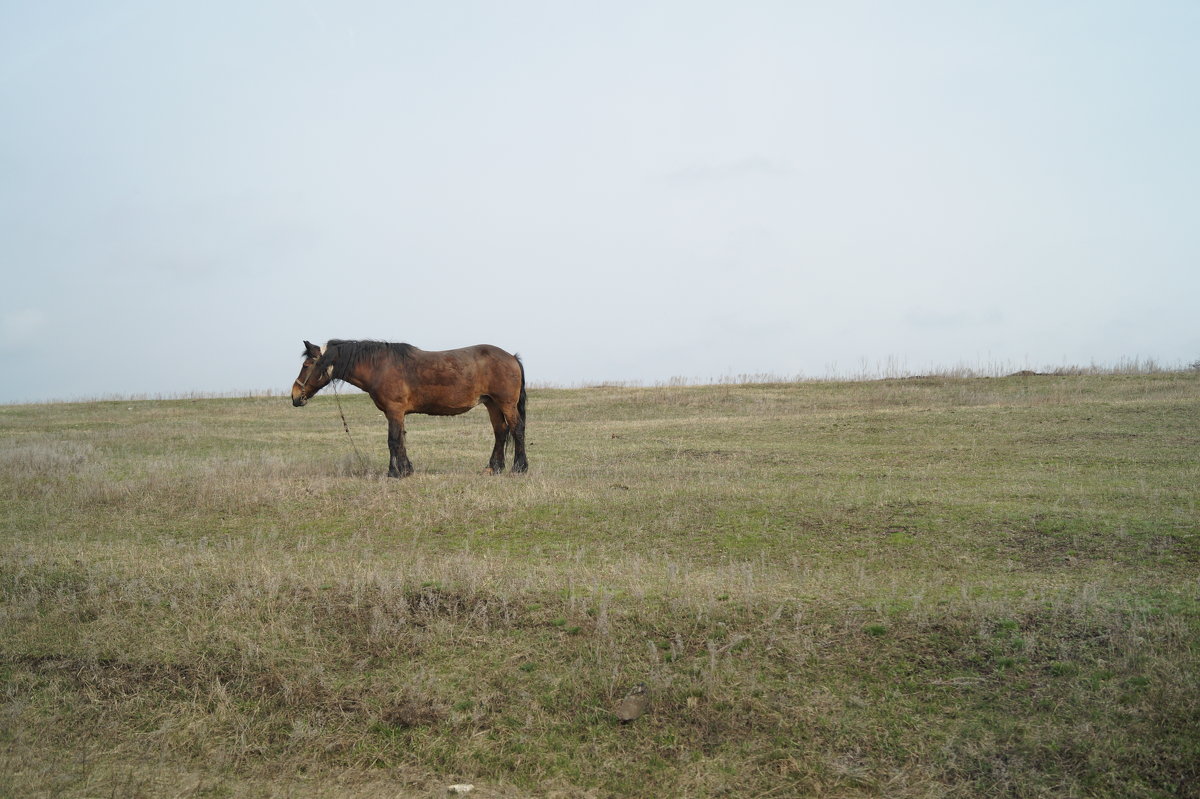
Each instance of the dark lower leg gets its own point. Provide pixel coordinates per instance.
(399, 465)
(500, 428)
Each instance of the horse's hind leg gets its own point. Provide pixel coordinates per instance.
(513, 423)
(500, 428)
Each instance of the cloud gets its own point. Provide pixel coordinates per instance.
(750, 167)
(20, 326)
(967, 317)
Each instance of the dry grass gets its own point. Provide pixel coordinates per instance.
(929, 587)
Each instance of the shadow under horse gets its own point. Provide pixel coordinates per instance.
(402, 379)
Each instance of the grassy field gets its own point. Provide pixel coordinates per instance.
(918, 587)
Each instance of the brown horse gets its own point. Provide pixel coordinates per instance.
(402, 379)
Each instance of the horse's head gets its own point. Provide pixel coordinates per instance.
(314, 375)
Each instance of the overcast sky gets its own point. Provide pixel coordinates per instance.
(616, 190)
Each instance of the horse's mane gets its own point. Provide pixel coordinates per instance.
(344, 355)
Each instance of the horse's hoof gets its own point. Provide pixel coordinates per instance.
(489, 470)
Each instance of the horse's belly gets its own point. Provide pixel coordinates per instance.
(444, 408)
(441, 411)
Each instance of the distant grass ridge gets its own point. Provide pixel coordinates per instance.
(910, 587)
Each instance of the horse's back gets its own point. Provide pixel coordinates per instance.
(478, 358)
(453, 381)
(477, 351)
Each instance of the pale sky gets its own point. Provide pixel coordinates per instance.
(616, 190)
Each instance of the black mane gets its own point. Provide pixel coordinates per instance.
(344, 354)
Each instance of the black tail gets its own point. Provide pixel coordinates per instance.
(521, 401)
(520, 405)
(520, 464)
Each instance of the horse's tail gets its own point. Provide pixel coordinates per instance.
(521, 401)
(517, 432)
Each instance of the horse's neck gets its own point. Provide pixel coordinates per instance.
(356, 379)
(374, 377)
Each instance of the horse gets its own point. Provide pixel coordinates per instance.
(402, 379)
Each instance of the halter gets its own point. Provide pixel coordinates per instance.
(311, 372)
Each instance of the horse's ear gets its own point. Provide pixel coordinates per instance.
(312, 349)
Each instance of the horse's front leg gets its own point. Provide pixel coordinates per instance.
(398, 465)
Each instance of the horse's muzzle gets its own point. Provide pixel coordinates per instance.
(298, 402)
